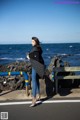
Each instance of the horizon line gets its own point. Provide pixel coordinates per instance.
(41, 43)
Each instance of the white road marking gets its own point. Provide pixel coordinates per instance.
(47, 102)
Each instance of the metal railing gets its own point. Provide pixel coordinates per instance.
(18, 73)
(62, 76)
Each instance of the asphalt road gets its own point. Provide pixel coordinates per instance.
(44, 111)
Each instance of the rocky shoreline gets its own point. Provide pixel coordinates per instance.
(7, 82)
(46, 85)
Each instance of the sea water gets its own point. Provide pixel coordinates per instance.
(69, 52)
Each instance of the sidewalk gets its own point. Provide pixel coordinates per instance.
(21, 94)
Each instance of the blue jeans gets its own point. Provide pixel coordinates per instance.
(35, 83)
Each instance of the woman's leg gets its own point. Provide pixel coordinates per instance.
(35, 87)
(38, 88)
(34, 83)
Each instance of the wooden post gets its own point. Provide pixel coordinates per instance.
(56, 81)
(56, 86)
(27, 91)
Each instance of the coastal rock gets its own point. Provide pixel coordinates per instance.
(18, 82)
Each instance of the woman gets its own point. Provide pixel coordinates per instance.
(37, 63)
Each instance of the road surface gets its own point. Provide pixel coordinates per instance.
(54, 110)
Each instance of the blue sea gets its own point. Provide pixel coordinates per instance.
(69, 52)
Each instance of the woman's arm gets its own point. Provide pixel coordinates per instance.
(34, 55)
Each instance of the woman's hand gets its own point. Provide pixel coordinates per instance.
(28, 57)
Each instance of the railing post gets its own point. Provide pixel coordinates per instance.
(26, 83)
(56, 81)
(56, 85)
(18, 73)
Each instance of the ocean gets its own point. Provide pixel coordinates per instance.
(69, 52)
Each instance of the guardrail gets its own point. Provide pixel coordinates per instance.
(61, 76)
(18, 73)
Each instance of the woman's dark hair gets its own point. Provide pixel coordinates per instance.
(36, 40)
(37, 43)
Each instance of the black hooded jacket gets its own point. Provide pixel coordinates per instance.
(36, 54)
(37, 60)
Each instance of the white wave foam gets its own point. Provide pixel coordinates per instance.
(5, 58)
(47, 49)
(63, 54)
(70, 46)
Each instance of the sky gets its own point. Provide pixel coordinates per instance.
(52, 21)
